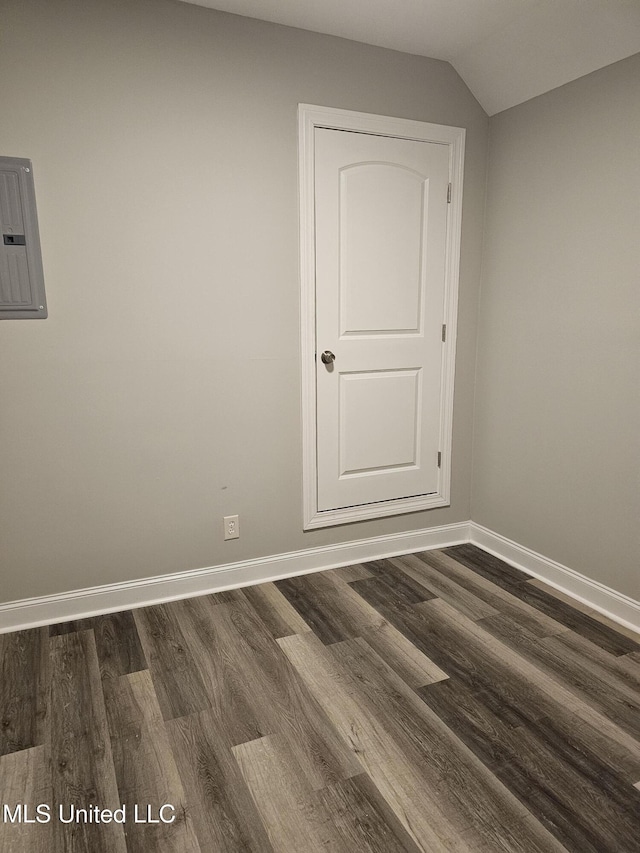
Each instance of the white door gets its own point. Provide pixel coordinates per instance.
(380, 251)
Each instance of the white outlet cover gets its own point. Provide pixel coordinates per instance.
(231, 527)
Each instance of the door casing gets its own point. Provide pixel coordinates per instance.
(309, 118)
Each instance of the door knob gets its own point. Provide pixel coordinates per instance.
(327, 357)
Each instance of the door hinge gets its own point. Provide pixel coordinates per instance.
(444, 332)
(449, 194)
(439, 458)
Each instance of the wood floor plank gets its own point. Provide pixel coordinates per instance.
(24, 684)
(212, 643)
(403, 585)
(118, 645)
(70, 627)
(292, 819)
(505, 575)
(630, 633)
(224, 814)
(500, 599)
(427, 573)
(622, 668)
(463, 661)
(492, 568)
(275, 611)
(363, 819)
(176, 678)
(539, 688)
(474, 721)
(329, 606)
(396, 777)
(356, 572)
(516, 689)
(436, 777)
(602, 825)
(347, 614)
(412, 665)
(583, 624)
(587, 678)
(547, 773)
(466, 791)
(145, 769)
(512, 687)
(253, 689)
(597, 671)
(26, 780)
(82, 764)
(228, 596)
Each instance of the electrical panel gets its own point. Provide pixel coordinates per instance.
(21, 276)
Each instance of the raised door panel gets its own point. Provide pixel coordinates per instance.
(388, 402)
(382, 207)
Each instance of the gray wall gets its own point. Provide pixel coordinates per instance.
(163, 392)
(557, 432)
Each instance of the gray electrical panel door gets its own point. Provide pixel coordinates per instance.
(21, 275)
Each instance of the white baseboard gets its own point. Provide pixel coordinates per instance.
(83, 603)
(618, 607)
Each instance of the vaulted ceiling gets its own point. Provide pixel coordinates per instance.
(507, 51)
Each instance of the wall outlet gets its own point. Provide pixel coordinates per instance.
(231, 527)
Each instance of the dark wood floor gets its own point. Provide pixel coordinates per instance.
(435, 702)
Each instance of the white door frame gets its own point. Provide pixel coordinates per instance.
(310, 117)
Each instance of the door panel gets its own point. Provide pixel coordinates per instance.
(380, 232)
(381, 259)
(388, 403)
